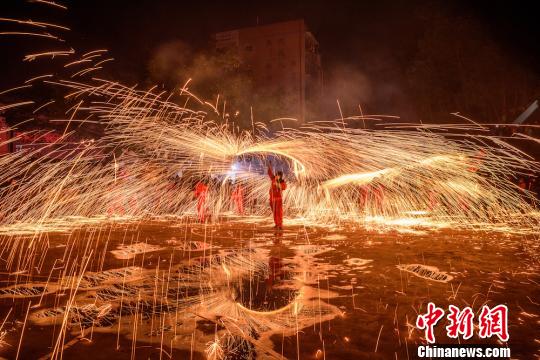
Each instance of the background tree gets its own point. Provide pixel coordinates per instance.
(458, 67)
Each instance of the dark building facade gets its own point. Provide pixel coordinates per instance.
(282, 60)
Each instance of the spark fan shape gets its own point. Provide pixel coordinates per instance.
(400, 176)
(336, 173)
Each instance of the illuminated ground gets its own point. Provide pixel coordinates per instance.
(349, 298)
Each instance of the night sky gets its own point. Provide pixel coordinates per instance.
(378, 38)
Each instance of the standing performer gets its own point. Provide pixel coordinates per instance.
(363, 197)
(201, 190)
(238, 198)
(378, 193)
(276, 200)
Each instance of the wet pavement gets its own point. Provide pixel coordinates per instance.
(240, 290)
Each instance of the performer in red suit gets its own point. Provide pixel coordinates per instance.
(238, 198)
(201, 191)
(276, 200)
